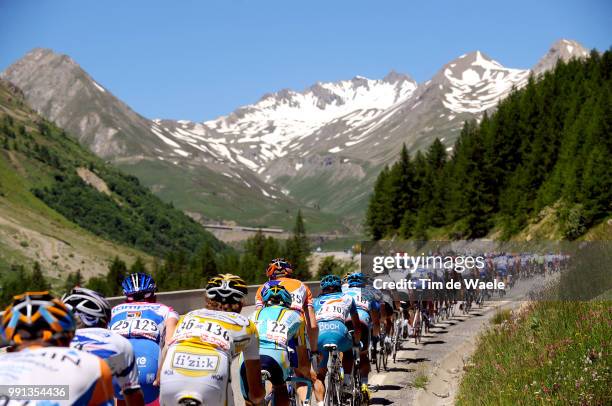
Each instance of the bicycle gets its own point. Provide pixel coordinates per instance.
(383, 354)
(333, 379)
(291, 382)
(357, 398)
(397, 330)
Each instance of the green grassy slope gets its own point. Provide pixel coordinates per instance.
(76, 227)
(200, 190)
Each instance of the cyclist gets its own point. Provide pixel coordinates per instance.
(368, 310)
(196, 363)
(148, 325)
(333, 309)
(276, 325)
(39, 328)
(301, 297)
(281, 270)
(92, 313)
(387, 303)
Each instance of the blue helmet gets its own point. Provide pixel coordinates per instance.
(331, 281)
(274, 292)
(138, 283)
(356, 280)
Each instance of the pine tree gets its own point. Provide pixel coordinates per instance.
(115, 276)
(378, 218)
(38, 282)
(297, 250)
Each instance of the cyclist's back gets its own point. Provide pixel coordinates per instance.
(301, 296)
(197, 362)
(280, 329)
(333, 310)
(115, 349)
(39, 328)
(146, 324)
(87, 377)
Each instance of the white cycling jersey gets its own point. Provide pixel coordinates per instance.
(88, 377)
(197, 364)
(115, 349)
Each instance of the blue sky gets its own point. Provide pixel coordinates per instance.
(200, 59)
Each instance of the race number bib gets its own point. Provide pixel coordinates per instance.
(331, 311)
(362, 302)
(208, 332)
(136, 327)
(276, 331)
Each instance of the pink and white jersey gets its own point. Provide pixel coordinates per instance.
(141, 320)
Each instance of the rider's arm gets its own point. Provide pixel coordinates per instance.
(302, 351)
(170, 326)
(311, 321)
(258, 298)
(253, 365)
(170, 323)
(312, 327)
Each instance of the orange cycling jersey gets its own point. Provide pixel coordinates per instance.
(301, 296)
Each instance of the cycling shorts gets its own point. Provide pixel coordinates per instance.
(190, 371)
(333, 332)
(147, 355)
(271, 362)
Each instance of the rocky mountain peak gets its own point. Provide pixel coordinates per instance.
(563, 49)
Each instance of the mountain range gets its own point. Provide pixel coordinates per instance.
(319, 149)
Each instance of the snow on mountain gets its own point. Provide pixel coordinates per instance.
(335, 135)
(475, 83)
(270, 128)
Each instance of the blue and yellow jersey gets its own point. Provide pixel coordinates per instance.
(277, 325)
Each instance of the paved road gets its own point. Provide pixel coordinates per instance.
(450, 338)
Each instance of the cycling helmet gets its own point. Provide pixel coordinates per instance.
(356, 280)
(88, 305)
(279, 267)
(331, 281)
(37, 315)
(226, 288)
(138, 286)
(276, 293)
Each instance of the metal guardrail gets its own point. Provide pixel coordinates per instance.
(184, 301)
